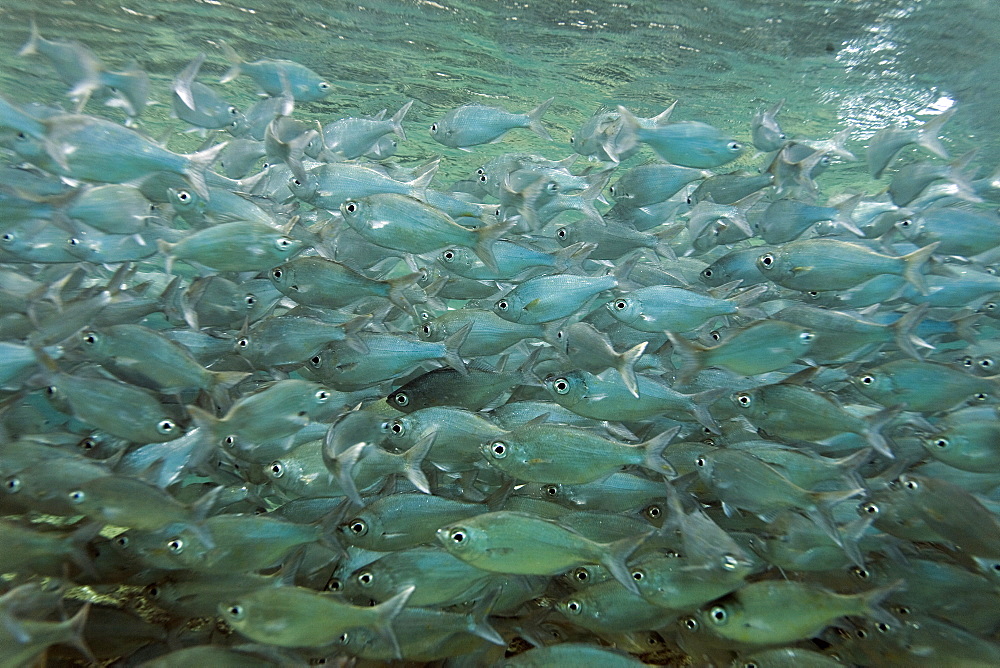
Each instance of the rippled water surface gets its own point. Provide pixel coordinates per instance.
(862, 64)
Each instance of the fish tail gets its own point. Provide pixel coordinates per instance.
(903, 331)
(30, 47)
(234, 60)
(412, 461)
(873, 432)
(452, 346)
(342, 466)
(478, 619)
(571, 254)
(700, 403)
(205, 421)
(485, 237)
(397, 120)
(626, 367)
(165, 247)
(663, 117)
(386, 612)
(630, 126)
(405, 288)
(222, 382)
(614, 556)
(654, 447)
(76, 624)
(691, 357)
(929, 131)
(132, 89)
(535, 119)
(844, 212)
(914, 264)
(182, 84)
(197, 164)
(871, 602)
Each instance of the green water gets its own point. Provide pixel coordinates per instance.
(838, 63)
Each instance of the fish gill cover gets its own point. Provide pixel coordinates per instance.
(492, 333)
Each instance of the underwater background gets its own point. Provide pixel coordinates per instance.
(864, 66)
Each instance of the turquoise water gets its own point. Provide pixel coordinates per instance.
(857, 64)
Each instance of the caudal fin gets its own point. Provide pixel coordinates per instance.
(182, 83)
(397, 120)
(929, 131)
(654, 447)
(535, 119)
(913, 269)
(614, 556)
(234, 61)
(198, 163)
(626, 367)
(485, 237)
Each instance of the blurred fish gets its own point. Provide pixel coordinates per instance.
(474, 124)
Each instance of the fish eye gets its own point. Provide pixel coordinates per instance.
(276, 273)
(744, 399)
(706, 272)
(653, 511)
(941, 443)
(358, 527)
(249, 299)
(690, 623)
(766, 260)
(277, 469)
(561, 386)
(7, 237)
(860, 573)
(714, 335)
(233, 111)
(825, 160)
(729, 562)
(183, 196)
(901, 610)
(315, 361)
(561, 233)
(322, 395)
(425, 315)
(236, 612)
(483, 178)
(229, 441)
(638, 575)
(882, 627)
(434, 127)
(718, 615)
(581, 574)
(89, 337)
(574, 607)
(351, 207)
(365, 579)
(966, 361)
(283, 243)
(323, 85)
(401, 399)
(502, 304)
(121, 541)
(572, 140)
(750, 664)
(295, 182)
(77, 496)
(870, 508)
(426, 330)
(480, 171)
(986, 363)
(806, 337)
(552, 187)
(457, 536)
(448, 256)
(153, 591)
(243, 342)
(980, 396)
(906, 222)
(175, 546)
(499, 449)
(88, 443)
(909, 483)
(334, 584)
(620, 304)
(867, 379)
(397, 428)
(701, 461)
(735, 146)
(166, 426)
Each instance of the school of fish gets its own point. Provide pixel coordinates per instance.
(281, 400)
